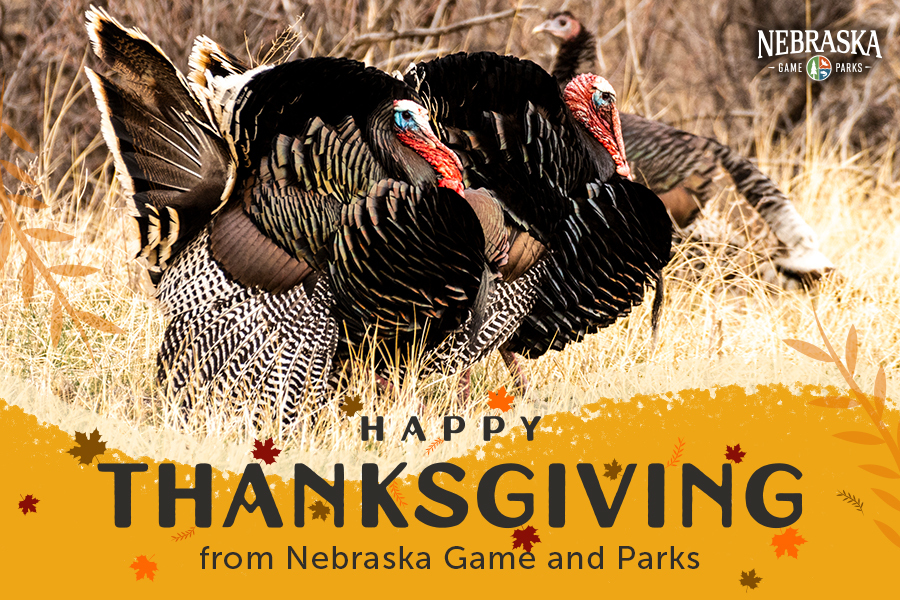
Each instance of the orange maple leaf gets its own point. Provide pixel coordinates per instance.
(500, 399)
(87, 448)
(526, 538)
(143, 567)
(787, 542)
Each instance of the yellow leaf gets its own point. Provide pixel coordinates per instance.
(16, 137)
(73, 270)
(889, 533)
(880, 392)
(56, 323)
(859, 437)
(18, 173)
(809, 350)
(27, 280)
(49, 235)
(880, 471)
(834, 402)
(5, 241)
(27, 202)
(92, 320)
(889, 499)
(851, 349)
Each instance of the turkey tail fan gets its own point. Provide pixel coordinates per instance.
(211, 66)
(175, 167)
(209, 58)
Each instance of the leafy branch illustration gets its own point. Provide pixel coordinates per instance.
(433, 445)
(394, 489)
(874, 408)
(183, 535)
(12, 230)
(676, 454)
(851, 499)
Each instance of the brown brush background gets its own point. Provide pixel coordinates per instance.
(697, 70)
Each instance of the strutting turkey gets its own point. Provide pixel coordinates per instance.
(595, 238)
(284, 212)
(680, 167)
(536, 181)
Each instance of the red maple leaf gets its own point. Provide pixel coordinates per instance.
(500, 400)
(27, 505)
(143, 567)
(735, 453)
(265, 452)
(526, 538)
(787, 542)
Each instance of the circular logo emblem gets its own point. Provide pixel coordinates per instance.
(818, 68)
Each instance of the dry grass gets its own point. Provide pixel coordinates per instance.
(720, 325)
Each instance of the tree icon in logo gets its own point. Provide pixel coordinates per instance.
(818, 68)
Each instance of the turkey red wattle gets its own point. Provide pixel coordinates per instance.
(412, 129)
(600, 117)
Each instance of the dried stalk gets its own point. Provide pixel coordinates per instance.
(423, 32)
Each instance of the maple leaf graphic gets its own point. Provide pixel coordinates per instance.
(612, 470)
(265, 451)
(143, 567)
(735, 453)
(500, 400)
(319, 510)
(351, 405)
(27, 504)
(750, 579)
(87, 448)
(787, 542)
(526, 538)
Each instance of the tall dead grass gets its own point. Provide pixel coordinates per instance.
(721, 326)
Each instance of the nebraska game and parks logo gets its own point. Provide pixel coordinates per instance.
(781, 42)
(818, 68)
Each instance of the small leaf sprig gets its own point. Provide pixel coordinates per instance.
(394, 489)
(183, 535)
(11, 229)
(433, 445)
(851, 499)
(676, 454)
(874, 408)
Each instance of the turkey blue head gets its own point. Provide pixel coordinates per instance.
(412, 128)
(592, 101)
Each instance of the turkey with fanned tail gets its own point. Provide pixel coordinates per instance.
(285, 212)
